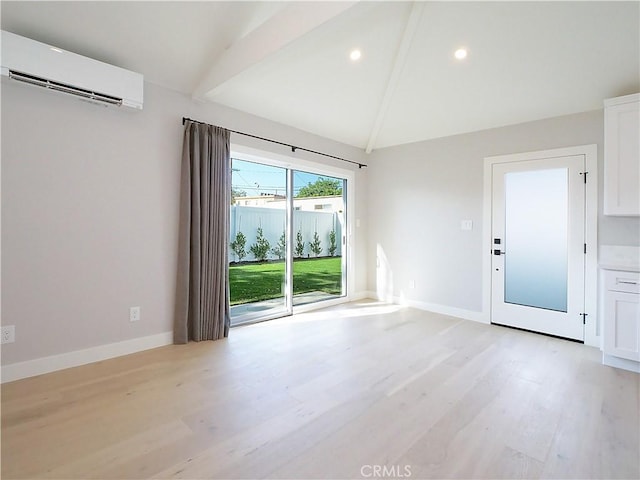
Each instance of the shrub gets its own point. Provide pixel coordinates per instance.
(332, 243)
(260, 249)
(238, 246)
(315, 245)
(280, 248)
(299, 250)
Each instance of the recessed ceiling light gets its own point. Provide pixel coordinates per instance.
(355, 55)
(461, 53)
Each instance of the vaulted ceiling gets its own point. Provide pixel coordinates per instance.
(289, 61)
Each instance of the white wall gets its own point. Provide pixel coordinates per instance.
(419, 193)
(90, 213)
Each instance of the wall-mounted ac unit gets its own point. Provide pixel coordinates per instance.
(36, 63)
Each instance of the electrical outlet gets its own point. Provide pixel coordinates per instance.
(8, 334)
(134, 314)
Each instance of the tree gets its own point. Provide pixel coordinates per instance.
(238, 246)
(315, 245)
(281, 247)
(299, 251)
(235, 193)
(321, 188)
(332, 243)
(260, 249)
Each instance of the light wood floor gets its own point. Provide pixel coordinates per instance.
(341, 393)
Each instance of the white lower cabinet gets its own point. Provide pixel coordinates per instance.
(621, 325)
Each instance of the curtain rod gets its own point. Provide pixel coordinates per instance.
(293, 147)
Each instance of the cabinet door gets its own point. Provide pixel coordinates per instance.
(622, 325)
(622, 159)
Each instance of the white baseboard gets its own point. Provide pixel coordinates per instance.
(618, 362)
(446, 310)
(372, 295)
(361, 296)
(39, 366)
(437, 308)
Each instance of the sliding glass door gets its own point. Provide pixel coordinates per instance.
(257, 244)
(318, 221)
(287, 240)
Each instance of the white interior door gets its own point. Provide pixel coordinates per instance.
(538, 238)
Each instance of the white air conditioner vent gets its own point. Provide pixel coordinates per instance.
(61, 87)
(42, 65)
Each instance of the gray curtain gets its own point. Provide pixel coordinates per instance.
(202, 292)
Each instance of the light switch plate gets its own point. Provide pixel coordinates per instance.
(8, 334)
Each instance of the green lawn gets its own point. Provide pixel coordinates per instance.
(254, 282)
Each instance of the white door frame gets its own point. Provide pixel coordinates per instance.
(592, 329)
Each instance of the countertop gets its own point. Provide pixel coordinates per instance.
(618, 257)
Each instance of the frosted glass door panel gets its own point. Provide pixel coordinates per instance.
(536, 235)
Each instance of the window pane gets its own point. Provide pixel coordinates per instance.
(318, 223)
(257, 244)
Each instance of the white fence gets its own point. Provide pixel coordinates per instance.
(273, 221)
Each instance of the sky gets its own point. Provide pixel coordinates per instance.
(256, 179)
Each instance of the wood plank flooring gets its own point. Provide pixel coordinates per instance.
(362, 390)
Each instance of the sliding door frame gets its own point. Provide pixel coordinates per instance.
(292, 164)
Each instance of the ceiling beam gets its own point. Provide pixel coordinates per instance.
(283, 28)
(396, 71)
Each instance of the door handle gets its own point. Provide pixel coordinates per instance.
(498, 252)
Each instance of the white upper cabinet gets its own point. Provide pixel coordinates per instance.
(622, 155)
